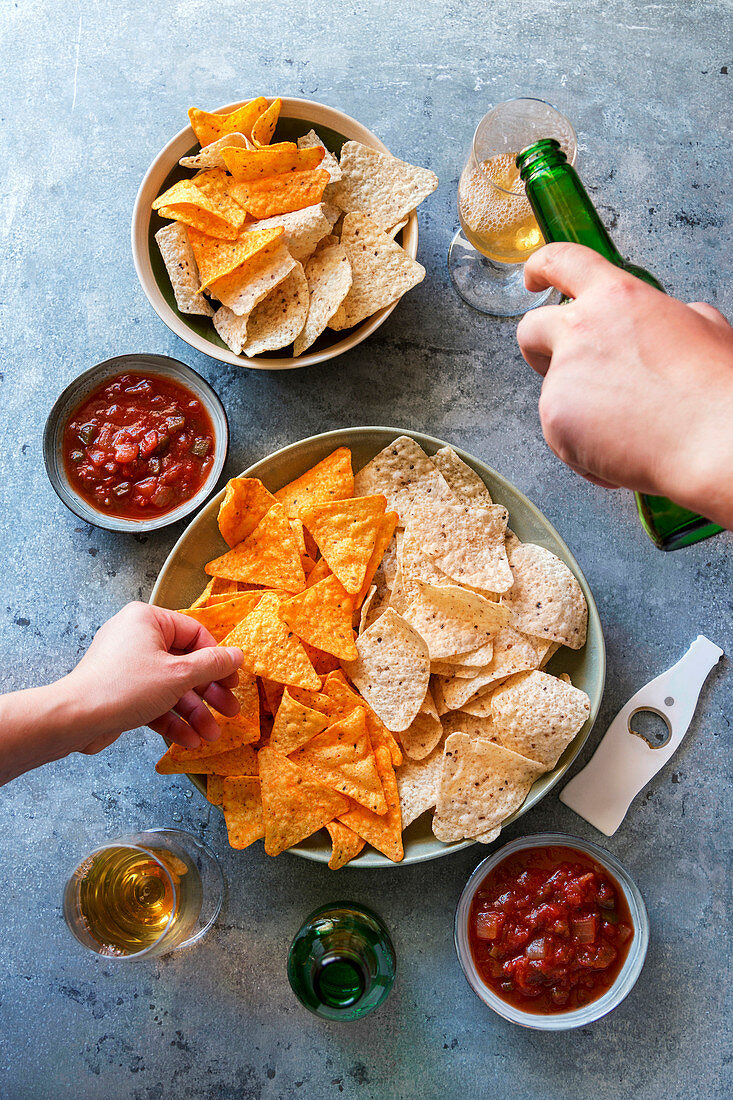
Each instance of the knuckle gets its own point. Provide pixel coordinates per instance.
(555, 418)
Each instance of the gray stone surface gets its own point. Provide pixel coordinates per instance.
(90, 91)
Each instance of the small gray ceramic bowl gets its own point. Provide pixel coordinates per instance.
(78, 391)
(627, 976)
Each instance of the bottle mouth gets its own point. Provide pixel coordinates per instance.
(545, 153)
(340, 979)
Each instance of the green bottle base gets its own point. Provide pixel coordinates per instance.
(669, 526)
(341, 964)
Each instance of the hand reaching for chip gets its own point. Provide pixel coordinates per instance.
(146, 666)
(638, 387)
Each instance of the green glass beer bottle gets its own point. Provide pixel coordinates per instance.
(341, 964)
(564, 212)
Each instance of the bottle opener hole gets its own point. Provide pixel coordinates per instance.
(651, 726)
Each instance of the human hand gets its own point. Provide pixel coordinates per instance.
(149, 666)
(638, 387)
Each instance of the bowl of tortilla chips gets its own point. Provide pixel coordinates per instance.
(423, 656)
(277, 233)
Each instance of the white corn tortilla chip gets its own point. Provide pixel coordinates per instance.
(279, 317)
(243, 288)
(327, 242)
(371, 609)
(382, 271)
(394, 230)
(379, 185)
(424, 732)
(304, 229)
(481, 783)
(392, 670)
(404, 474)
(545, 649)
(449, 668)
(537, 715)
(477, 658)
(232, 329)
(329, 279)
(452, 620)
(546, 599)
(180, 263)
(466, 541)
(513, 652)
(329, 162)
(459, 721)
(417, 784)
(465, 483)
(479, 706)
(210, 156)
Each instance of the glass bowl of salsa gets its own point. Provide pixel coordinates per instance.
(551, 932)
(136, 443)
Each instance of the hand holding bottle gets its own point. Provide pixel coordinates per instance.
(638, 387)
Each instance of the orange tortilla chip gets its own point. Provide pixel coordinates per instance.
(383, 832)
(202, 599)
(330, 479)
(220, 586)
(343, 699)
(215, 789)
(264, 127)
(242, 805)
(270, 649)
(215, 184)
(221, 617)
(322, 662)
(293, 805)
(241, 761)
(321, 615)
(210, 224)
(295, 723)
(253, 164)
(297, 528)
(268, 556)
(245, 502)
(272, 195)
(341, 757)
(273, 694)
(318, 572)
(208, 126)
(346, 533)
(215, 258)
(384, 537)
(314, 700)
(345, 844)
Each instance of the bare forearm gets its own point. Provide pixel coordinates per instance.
(39, 725)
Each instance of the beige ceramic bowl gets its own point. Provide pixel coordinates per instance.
(297, 117)
(182, 578)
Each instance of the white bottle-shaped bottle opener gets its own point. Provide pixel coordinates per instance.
(624, 761)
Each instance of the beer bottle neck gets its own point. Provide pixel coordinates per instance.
(561, 205)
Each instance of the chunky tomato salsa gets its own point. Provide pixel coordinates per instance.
(549, 929)
(139, 446)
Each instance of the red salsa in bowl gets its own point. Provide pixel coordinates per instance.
(549, 929)
(551, 932)
(138, 446)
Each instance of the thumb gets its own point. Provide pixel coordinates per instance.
(209, 664)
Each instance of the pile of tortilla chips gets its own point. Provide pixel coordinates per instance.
(394, 633)
(284, 239)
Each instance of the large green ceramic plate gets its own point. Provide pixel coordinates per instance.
(182, 578)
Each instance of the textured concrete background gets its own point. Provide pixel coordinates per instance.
(91, 90)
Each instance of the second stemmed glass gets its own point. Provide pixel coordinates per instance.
(498, 229)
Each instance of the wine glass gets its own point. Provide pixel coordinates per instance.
(498, 229)
(144, 894)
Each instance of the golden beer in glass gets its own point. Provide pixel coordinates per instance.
(498, 229)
